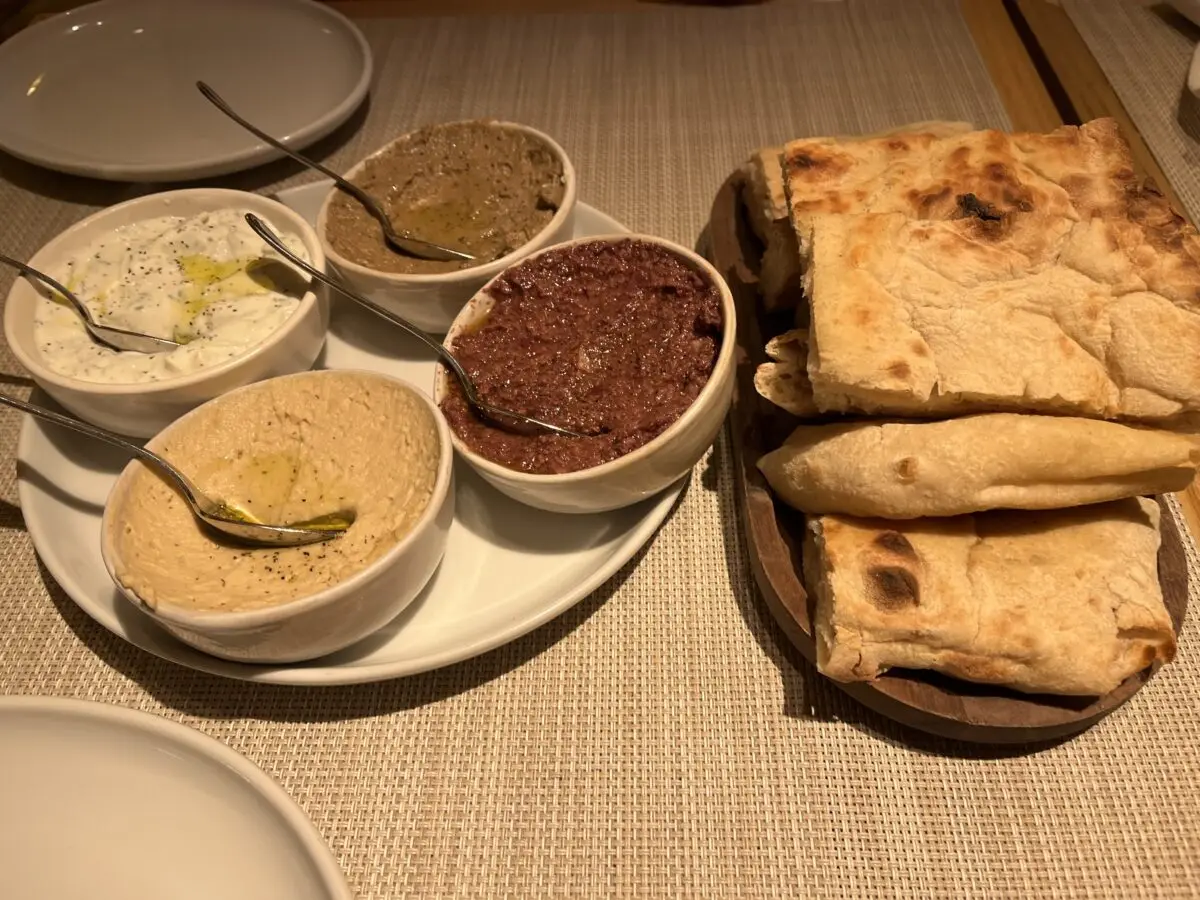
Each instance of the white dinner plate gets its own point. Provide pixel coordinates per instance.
(105, 802)
(508, 568)
(109, 90)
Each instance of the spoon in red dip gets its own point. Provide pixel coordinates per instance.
(506, 419)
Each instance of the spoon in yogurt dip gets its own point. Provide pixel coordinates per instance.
(502, 418)
(114, 338)
(403, 243)
(230, 520)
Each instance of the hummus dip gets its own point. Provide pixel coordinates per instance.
(613, 339)
(479, 186)
(283, 450)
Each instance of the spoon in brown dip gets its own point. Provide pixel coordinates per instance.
(403, 243)
(501, 418)
(230, 520)
(105, 335)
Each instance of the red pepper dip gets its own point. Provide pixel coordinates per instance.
(614, 339)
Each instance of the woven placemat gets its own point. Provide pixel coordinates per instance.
(660, 739)
(1145, 49)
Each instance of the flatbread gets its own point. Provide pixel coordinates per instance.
(765, 200)
(765, 174)
(990, 271)
(922, 174)
(767, 211)
(905, 470)
(784, 381)
(767, 208)
(1064, 602)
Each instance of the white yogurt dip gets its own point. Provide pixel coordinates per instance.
(180, 278)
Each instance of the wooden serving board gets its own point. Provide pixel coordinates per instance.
(927, 701)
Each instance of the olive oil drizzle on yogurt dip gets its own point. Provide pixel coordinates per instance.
(197, 280)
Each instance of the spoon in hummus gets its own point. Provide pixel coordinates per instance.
(230, 520)
(403, 243)
(113, 338)
(502, 418)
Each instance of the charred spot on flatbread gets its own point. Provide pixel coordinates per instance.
(906, 470)
(971, 206)
(895, 543)
(892, 588)
(926, 203)
(815, 162)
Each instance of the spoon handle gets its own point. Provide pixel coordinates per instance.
(448, 358)
(74, 424)
(261, 229)
(108, 437)
(404, 243)
(215, 99)
(105, 335)
(30, 272)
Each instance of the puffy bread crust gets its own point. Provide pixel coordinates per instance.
(1063, 602)
(990, 271)
(906, 470)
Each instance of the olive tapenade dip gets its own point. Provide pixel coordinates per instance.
(482, 187)
(613, 339)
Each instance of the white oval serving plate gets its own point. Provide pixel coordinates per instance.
(508, 568)
(105, 802)
(108, 90)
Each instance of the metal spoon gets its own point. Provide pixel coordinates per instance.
(504, 418)
(227, 519)
(114, 338)
(405, 243)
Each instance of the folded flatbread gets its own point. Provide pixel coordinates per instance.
(994, 271)
(906, 470)
(765, 198)
(767, 207)
(1063, 602)
(784, 380)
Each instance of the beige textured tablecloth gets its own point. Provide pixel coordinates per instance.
(660, 739)
(1145, 49)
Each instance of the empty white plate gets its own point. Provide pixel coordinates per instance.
(109, 89)
(101, 802)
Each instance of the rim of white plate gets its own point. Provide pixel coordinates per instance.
(262, 784)
(310, 674)
(255, 154)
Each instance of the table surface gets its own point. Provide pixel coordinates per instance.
(661, 738)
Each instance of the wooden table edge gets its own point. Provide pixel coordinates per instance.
(1047, 76)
